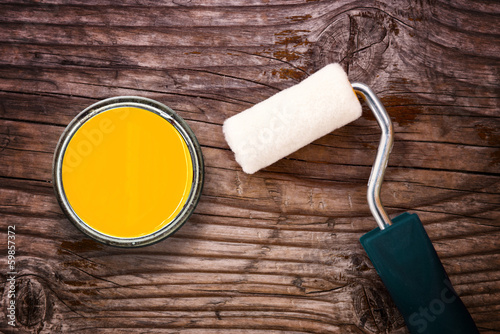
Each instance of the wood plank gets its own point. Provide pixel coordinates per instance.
(277, 251)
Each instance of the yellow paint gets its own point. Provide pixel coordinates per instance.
(127, 172)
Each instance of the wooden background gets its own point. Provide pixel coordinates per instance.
(277, 251)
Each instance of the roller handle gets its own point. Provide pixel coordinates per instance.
(408, 265)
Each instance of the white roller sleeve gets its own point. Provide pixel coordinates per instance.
(291, 119)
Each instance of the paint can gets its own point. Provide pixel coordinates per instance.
(128, 171)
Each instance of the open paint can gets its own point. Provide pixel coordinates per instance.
(128, 171)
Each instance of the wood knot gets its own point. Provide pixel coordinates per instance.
(360, 262)
(374, 308)
(357, 40)
(32, 308)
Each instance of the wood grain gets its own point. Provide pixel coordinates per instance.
(277, 251)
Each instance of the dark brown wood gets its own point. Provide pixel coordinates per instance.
(276, 251)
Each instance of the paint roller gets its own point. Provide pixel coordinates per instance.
(399, 249)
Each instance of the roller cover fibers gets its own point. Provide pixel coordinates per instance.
(292, 118)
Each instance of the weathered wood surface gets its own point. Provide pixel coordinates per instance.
(277, 251)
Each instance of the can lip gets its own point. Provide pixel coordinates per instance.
(159, 109)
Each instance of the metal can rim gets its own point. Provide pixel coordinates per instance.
(180, 125)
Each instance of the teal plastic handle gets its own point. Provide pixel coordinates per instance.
(408, 265)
